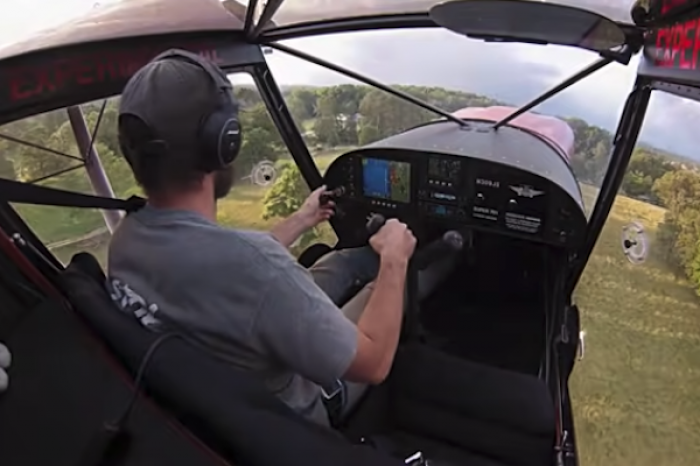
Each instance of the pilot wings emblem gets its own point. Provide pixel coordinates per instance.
(526, 191)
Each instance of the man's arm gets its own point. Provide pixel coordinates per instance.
(379, 326)
(290, 229)
(302, 327)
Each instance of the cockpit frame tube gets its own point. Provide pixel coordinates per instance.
(623, 144)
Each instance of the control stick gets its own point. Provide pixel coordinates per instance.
(375, 223)
(451, 241)
(332, 195)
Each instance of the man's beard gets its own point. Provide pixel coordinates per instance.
(223, 182)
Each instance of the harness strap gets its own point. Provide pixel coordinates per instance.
(23, 193)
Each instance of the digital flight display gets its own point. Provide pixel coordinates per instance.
(444, 168)
(387, 179)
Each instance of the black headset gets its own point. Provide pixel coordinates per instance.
(219, 134)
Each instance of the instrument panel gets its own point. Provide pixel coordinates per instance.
(455, 191)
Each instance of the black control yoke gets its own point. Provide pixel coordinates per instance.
(450, 242)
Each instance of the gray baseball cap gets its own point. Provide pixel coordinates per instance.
(172, 97)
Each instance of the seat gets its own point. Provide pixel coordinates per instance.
(498, 417)
(63, 387)
(226, 408)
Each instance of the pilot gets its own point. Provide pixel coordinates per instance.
(240, 294)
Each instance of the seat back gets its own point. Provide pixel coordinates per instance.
(62, 390)
(226, 407)
(502, 415)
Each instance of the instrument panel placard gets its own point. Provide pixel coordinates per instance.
(504, 201)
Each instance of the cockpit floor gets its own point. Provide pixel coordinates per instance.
(497, 329)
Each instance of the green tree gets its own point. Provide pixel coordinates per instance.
(302, 104)
(679, 233)
(285, 197)
(7, 166)
(695, 269)
(643, 170)
(389, 115)
(256, 147)
(247, 96)
(257, 117)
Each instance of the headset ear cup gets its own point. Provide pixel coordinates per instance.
(230, 141)
(221, 140)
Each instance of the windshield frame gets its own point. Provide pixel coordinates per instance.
(267, 27)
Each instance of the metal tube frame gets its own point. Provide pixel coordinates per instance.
(277, 107)
(623, 145)
(38, 147)
(584, 73)
(362, 78)
(93, 165)
(249, 17)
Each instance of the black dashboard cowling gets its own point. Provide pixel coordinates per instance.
(444, 176)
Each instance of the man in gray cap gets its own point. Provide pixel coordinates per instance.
(241, 294)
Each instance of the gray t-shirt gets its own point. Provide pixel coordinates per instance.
(239, 294)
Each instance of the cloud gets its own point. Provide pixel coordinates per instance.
(515, 73)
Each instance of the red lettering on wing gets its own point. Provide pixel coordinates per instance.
(668, 5)
(677, 46)
(86, 70)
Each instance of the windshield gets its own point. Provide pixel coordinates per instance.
(636, 392)
(335, 113)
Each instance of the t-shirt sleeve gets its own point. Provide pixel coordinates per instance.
(301, 326)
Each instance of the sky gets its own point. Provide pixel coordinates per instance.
(514, 73)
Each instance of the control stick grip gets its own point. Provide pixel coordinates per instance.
(375, 223)
(332, 195)
(451, 241)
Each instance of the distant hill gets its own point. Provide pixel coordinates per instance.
(669, 155)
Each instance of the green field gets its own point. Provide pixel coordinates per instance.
(637, 392)
(242, 208)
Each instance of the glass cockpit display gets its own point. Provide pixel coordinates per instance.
(387, 179)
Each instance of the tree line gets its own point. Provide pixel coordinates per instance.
(333, 116)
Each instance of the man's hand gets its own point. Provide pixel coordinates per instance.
(394, 241)
(312, 212)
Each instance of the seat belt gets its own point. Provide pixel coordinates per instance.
(23, 193)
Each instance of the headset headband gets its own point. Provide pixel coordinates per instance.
(212, 70)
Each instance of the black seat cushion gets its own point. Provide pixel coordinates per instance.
(225, 407)
(506, 416)
(63, 389)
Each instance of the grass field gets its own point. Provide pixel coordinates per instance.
(242, 208)
(637, 392)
